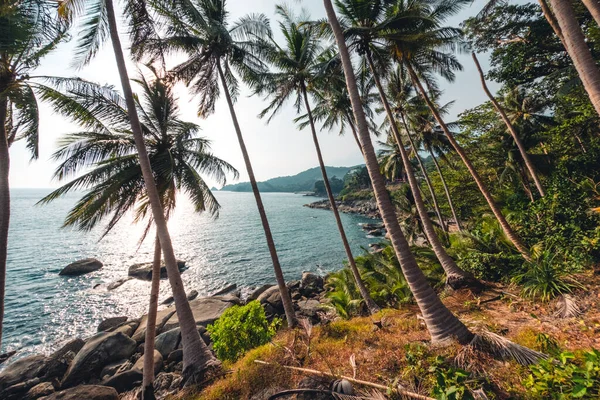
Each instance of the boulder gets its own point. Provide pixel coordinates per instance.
(39, 390)
(19, 390)
(22, 370)
(166, 382)
(175, 356)
(118, 283)
(258, 291)
(272, 297)
(225, 290)
(128, 328)
(114, 368)
(87, 392)
(99, 351)
(162, 316)
(110, 323)
(168, 341)
(191, 296)
(157, 363)
(59, 361)
(81, 267)
(310, 284)
(144, 270)
(124, 381)
(206, 310)
(309, 308)
(6, 356)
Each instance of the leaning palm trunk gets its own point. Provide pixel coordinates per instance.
(441, 323)
(511, 129)
(455, 277)
(353, 129)
(436, 206)
(148, 378)
(285, 295)
(552, 21)
(371, 305)
(197, 358)
(445, 185)
(594, 8)
(512, 236)
(4, 203)
(578, 50)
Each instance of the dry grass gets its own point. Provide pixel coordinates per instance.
(398, 352)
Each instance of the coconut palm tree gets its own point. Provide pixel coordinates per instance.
(511, 129)
(29, 30)
(390, 160)
(100, 25)
(201, 30)
(440, 322)
(367, 24)
(115, 183)
(298, 65)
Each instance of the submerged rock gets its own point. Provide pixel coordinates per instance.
(118, 283)
(100, 350)
(86, 392)
(81, 267)
(144, 270)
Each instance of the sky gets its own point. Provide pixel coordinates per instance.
(276, 149)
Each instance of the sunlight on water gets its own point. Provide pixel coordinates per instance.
(44, 310)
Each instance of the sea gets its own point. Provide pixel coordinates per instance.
(43, 310)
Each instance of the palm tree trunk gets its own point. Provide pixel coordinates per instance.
(353, 129)
(197, 357)
(445, 185)
(552, 21)
(511, 129)
(4, 203)
(371, 305)
(148, 378)
(285, 295)
(482, 188)
(436, 206)
(455, 277)
(594, 8)
(578, 50)
(441, 323)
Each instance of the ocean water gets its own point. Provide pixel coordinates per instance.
(43, 309)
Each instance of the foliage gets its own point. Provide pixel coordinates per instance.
(450, 383)
(240, 329)
(546, 277)
(568, 376)
(336, 186)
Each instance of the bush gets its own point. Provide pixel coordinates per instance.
(240, 329)
(570, 376)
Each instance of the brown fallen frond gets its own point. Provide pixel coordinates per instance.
(500, 346)
(566, 307)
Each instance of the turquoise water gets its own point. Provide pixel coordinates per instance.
(44, 309)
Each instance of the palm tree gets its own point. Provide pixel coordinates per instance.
(297, 66)
(390, 160)
(368, 23)
(29, 30)
(115, 181)
(578, 50)
(100, 24)
(201, 30)
(594, 8)
(511, 130)
(441, 323)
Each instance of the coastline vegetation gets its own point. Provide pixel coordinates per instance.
(486, 283)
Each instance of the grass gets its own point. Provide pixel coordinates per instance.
(396, 348)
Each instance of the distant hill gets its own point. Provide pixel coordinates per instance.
(302, 182)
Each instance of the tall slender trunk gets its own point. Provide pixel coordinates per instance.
(353, 129)
(4, 203)
(525, 183)
(455, 277)
(482, 188)
(445, 185)
(148, 378)
(436, 206)
(594, 8)
(197, 358)
(580, 143)
(552, 21)
(578, 50)
(371, 305)
(285, 295)
(511, 129)
(440, 322)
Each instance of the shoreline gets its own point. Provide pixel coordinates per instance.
(365, 208)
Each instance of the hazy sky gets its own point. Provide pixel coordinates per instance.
(276, 149)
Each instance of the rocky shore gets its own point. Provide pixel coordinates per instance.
(367, 208)
(108, 365)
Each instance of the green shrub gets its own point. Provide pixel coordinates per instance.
(570, 376)
(240, 329)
